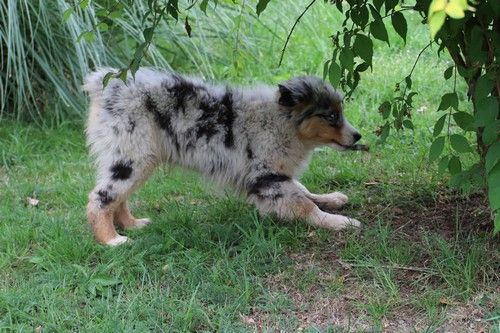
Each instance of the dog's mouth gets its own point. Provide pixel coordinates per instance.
(334, 144)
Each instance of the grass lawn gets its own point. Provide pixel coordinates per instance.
(425, 259)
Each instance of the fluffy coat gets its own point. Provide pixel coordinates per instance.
(257, 140)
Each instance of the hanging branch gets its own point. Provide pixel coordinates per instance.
(291, 31)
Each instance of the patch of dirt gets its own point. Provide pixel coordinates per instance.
(438, 215)
(447, 215)
(345, 310)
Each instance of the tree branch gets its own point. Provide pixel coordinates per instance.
(291, 31)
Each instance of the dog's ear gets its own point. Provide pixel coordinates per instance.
(286, 98)
(295, 92)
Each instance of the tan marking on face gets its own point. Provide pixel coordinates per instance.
(318, 130)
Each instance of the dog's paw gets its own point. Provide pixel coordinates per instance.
(337, 198)
(139, 223)
(331, 201)
(352, 223)
(119, 239)
(337, 222)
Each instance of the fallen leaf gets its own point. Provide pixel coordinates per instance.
(33, 201)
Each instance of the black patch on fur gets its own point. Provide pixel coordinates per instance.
(163, 119)
(265, 182)
(181, 91)
(249, 152)
(116, 131)
(228, 117)
(217, 114)
(121, 170)
(112, 97)
(131, 125)
(206, 124)
(104, 197)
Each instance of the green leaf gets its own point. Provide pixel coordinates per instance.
(390, 4)
(363, 47)
(454, 165)
(362, 67)
(203, 6)
(436, 149)
(492, 156)
(409, 99)
(438, 127)
(378, 4)
(486, 111)
(261, 6)
(89, 36)
(494, 187)
(448, 72)
(107, 77)
(102, 27)
(115, 14)
(148, 33)
(360, 15)
(334, 74)
(67, 14)
(173, 9)
(384, 132)
(326, 67)
(399, 23)
(408, 124)
(493, 179)
(408, 82)
(448, 100)
(84, 4)
(436, 21)
(464, 120)
(385, 109)
(378, 30)
(490, 132)
(484, 86)
(346, 58)
(122, 75)
(460, 143)
(187, 26)
(454, 9)
(443, 164)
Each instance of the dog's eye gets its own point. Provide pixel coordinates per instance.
(331, 118)
(334, 119)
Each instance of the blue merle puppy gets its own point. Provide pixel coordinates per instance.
(256, 139)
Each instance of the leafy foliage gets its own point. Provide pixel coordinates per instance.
(468, 33)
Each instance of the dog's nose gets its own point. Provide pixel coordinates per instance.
(357, 136)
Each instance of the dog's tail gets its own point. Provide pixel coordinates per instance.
(93, 82)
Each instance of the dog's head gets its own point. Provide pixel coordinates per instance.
(317, 110)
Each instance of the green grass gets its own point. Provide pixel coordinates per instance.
(209, 262)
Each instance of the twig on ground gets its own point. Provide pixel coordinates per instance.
(406, 268)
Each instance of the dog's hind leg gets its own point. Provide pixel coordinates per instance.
(273, 193)
(118, 178)
(100, 212)
(326, 202)
(125, 220)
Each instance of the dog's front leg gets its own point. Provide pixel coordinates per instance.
(327, 202)
(282, 196)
